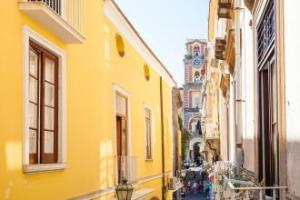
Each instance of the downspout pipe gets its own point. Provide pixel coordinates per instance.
(162, 139)
(237, 28)
(237, 8)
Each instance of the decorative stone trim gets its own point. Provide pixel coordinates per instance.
(137, 195)
(128, 32)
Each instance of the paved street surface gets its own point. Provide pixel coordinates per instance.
(198, 196)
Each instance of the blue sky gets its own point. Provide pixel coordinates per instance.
(165, 25)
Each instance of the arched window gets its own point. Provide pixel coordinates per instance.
(197, 77)
(194, 126)
(196, 51)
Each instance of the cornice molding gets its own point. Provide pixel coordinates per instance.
(126, 29)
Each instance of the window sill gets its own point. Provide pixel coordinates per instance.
(44, 167)
(149, 159)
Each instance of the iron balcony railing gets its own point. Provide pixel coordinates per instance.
(55, 5)
(266, 31)
(234, 182)
(70, 10)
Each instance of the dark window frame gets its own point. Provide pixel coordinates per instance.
(41, 157)
(148, 127)
(267, 97)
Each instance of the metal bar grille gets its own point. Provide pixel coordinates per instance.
(55, 5)
(266, 31)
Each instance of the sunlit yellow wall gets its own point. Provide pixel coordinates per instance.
(213, 6)
(142, 92)
(92, 68)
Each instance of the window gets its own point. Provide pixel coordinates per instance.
(45, 113)
(196, 99)
(197, 77)
(148, 123)
(122, 136)
(268, 136)
(266, 31)
(194, 126)
(196, 51)
(43, 105)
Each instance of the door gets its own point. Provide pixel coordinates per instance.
(268, 137)
(267, 92)
(121, 148)
(121, 136)
(122, 158)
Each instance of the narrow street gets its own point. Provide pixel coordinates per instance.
(150, 100)
(198, 196)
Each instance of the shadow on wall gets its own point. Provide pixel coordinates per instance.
(107, 164)
(292, 160)
(249, 152)
(293, 171)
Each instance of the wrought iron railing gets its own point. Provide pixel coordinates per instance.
(70, 10)
(266, 31)
(234, 182)
(55, 5)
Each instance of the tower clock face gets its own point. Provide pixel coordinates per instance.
(197, 62)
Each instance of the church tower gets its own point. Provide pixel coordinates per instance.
(195, 74)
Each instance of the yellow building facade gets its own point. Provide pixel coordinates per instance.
(84, 103)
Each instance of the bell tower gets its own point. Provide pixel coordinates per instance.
(195, 75)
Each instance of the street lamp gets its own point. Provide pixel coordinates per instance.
(124, 190)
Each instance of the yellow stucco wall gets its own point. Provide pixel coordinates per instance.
(212, 17)
(92, 69)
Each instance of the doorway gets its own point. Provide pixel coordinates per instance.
(268, 140)
(268, 136)
(122, 136)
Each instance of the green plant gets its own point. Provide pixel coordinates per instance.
(188, 56)
(185, 140)
(180, 123)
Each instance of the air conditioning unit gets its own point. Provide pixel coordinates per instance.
(173, 183)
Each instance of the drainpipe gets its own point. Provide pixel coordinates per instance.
(162, 140)
(232, 121)
(238, 63)
(233, 118)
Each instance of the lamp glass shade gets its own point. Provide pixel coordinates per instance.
(124, 191)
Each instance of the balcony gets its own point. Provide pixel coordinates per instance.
(220, 48)
(64, 18)
(194, 110)
(234, 182)
(126, 167)
(224, 9)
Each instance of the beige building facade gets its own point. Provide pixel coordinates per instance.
(254, 45)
